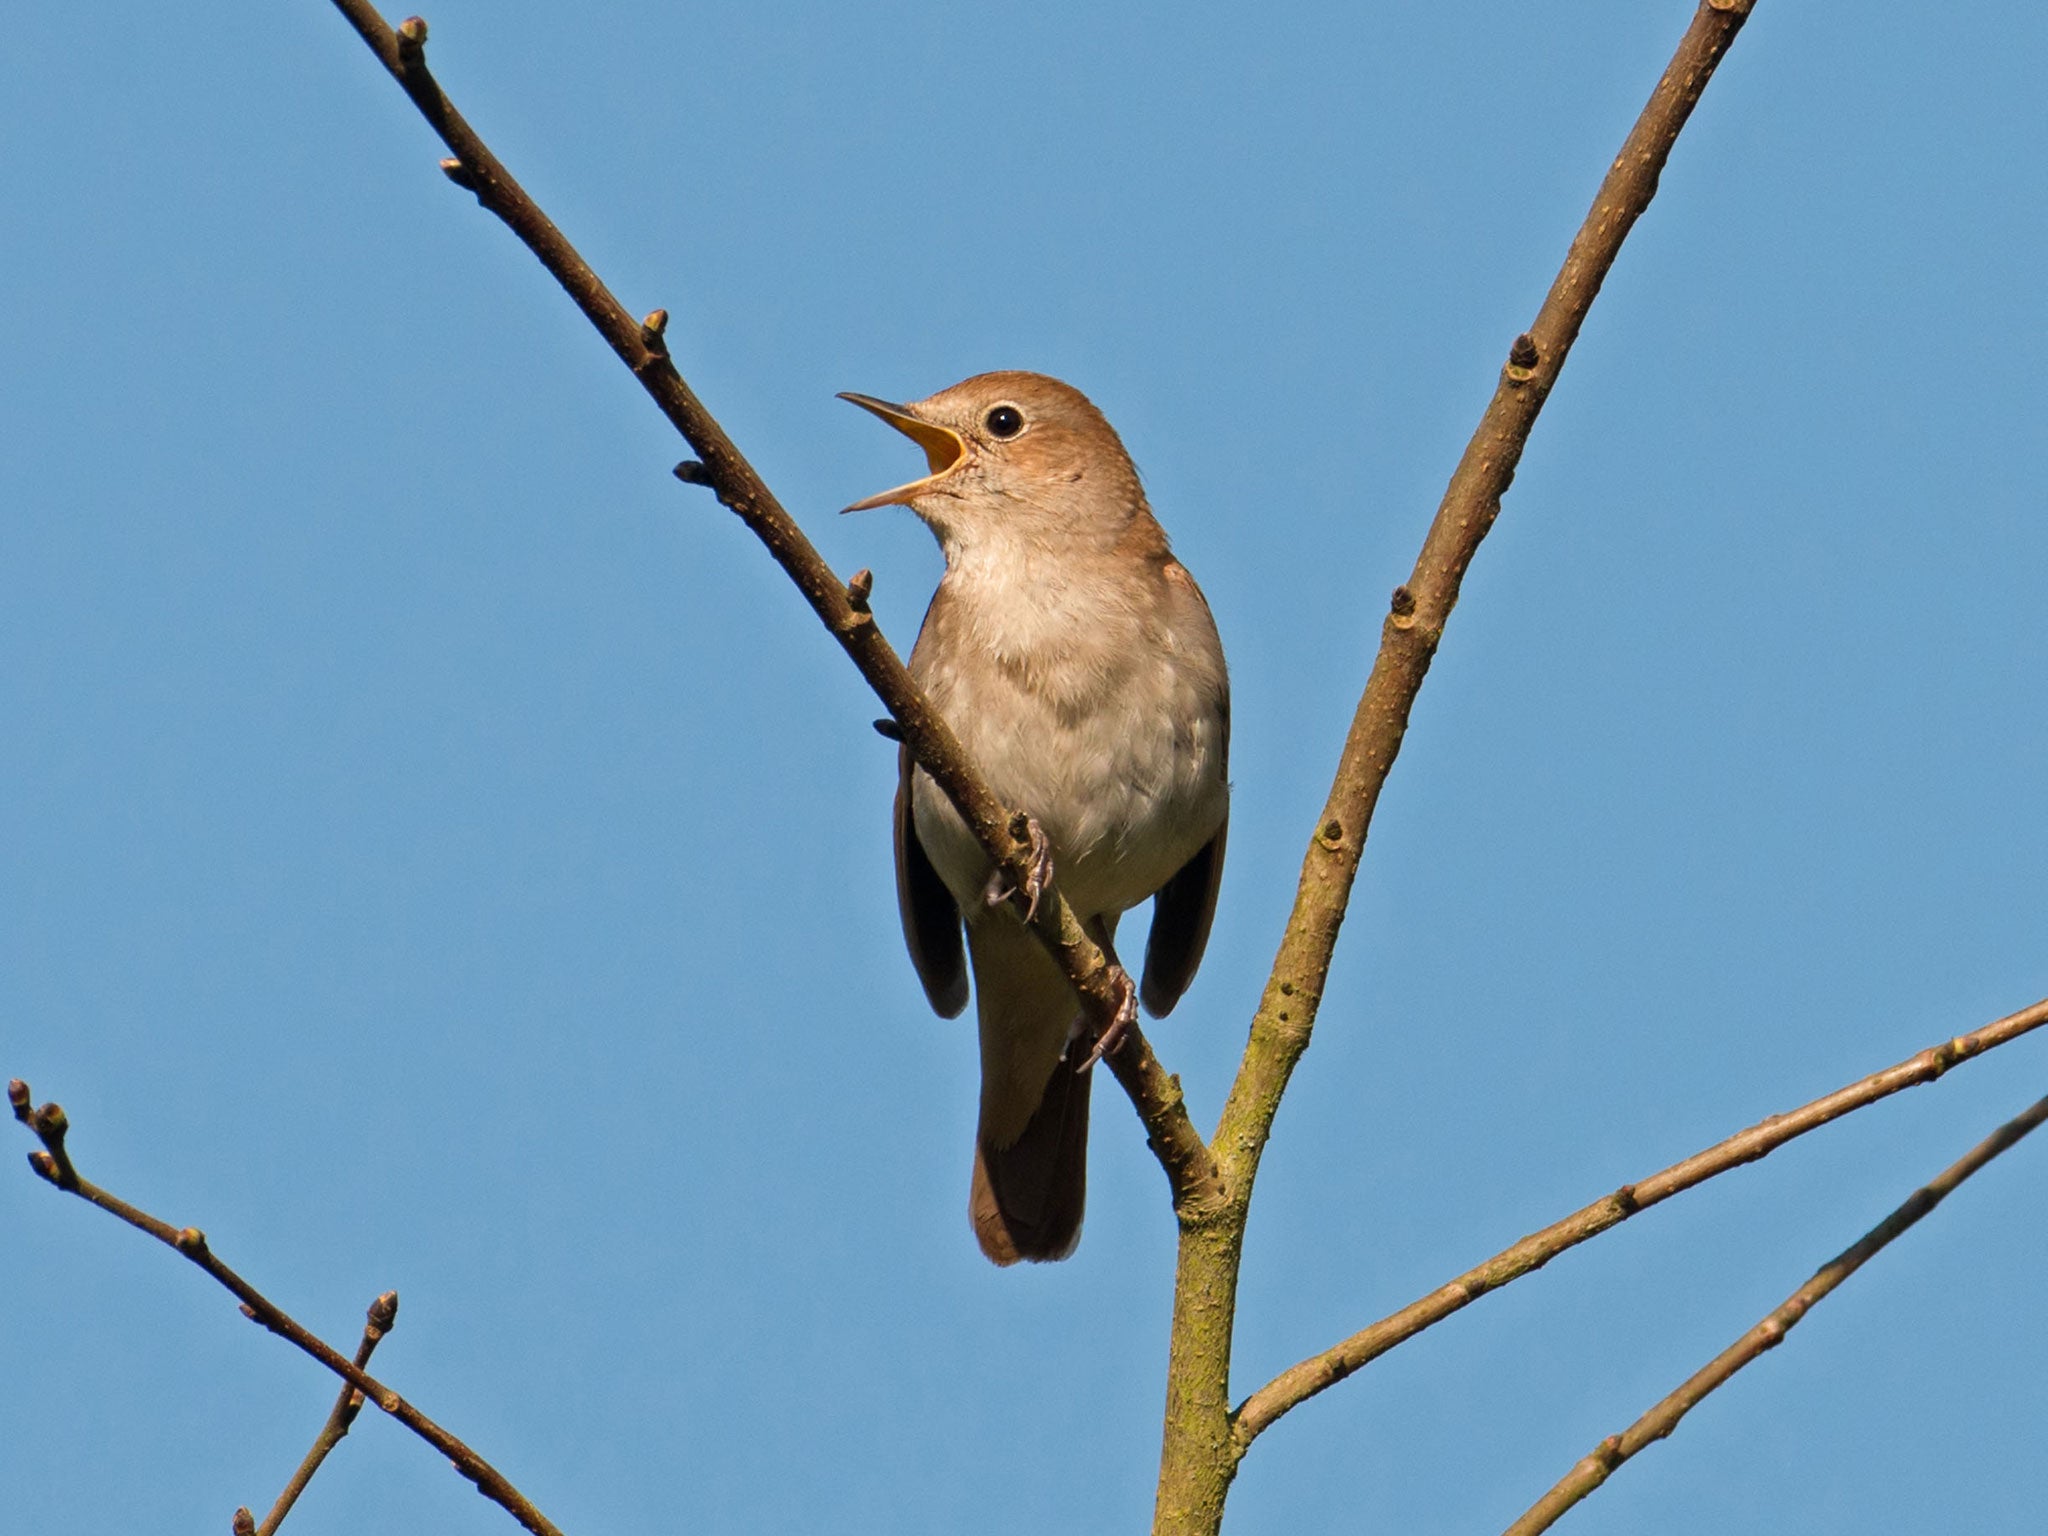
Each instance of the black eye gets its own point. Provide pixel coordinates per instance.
(1004, 421)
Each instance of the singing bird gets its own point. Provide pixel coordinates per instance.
(1077, 661)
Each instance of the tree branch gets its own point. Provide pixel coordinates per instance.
(54, 1164)
(1661, 1420)
(382, 1317)
(1300, 1382)
(1415, 623)
(1202, 1445)
(1181, 1151)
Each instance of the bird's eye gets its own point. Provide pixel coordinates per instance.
(1004, 421)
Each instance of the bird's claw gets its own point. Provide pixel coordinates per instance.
(1121, 1023)
(1037, 878)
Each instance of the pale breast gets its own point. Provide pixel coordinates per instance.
(1099, 707)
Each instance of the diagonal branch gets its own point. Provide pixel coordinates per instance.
(1661, 1420)
(1189, 1167)
(1414, 626)
(340, 1419)
(54, 1164)
(1298, 1383)
(1203, 1441)
(1203, 1436)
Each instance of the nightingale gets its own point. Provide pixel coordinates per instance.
(1077, 661)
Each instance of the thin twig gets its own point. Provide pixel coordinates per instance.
(639, 344)
(50, 1123)
(1300, 1382)
(382, 1317)
(1202, 1446)
(1661, 1420)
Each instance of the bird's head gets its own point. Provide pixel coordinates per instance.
(1012, 455)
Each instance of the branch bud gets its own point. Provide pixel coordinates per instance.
(1523, 358)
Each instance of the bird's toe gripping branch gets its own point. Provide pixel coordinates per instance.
(1026, 831)
(1121, 1022)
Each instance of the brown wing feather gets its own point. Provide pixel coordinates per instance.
(931, 923)
(1181, 915)
(1185, 906)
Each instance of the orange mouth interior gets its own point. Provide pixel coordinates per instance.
(943, 448)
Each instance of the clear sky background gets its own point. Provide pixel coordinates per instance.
(441, 852)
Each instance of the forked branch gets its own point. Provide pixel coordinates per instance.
(1661, 1420)
(1202, 1439)
(54, 1164)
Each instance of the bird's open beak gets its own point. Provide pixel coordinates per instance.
(943, 448)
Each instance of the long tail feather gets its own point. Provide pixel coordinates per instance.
(1030, 1184)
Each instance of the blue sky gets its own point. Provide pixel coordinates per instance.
(438, 851)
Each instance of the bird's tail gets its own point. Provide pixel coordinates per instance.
(1031, 1147)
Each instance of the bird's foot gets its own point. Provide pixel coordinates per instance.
(1037, 879)
(1121, 1022)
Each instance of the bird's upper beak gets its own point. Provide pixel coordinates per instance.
(943, 448)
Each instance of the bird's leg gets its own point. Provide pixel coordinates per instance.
(1024, 828)
(1121, 1022)
(1103, 931)
(1037, 879)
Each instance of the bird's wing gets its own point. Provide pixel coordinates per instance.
(1181, 915)
(931, 922)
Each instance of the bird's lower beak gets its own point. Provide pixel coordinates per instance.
(943, 448)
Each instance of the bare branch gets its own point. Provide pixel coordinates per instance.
(1661, 1420)
(49, 1123)
(383, 1316)
(1419, 610)
(1300, 1382)
(639, 345)
(1202, 1441)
